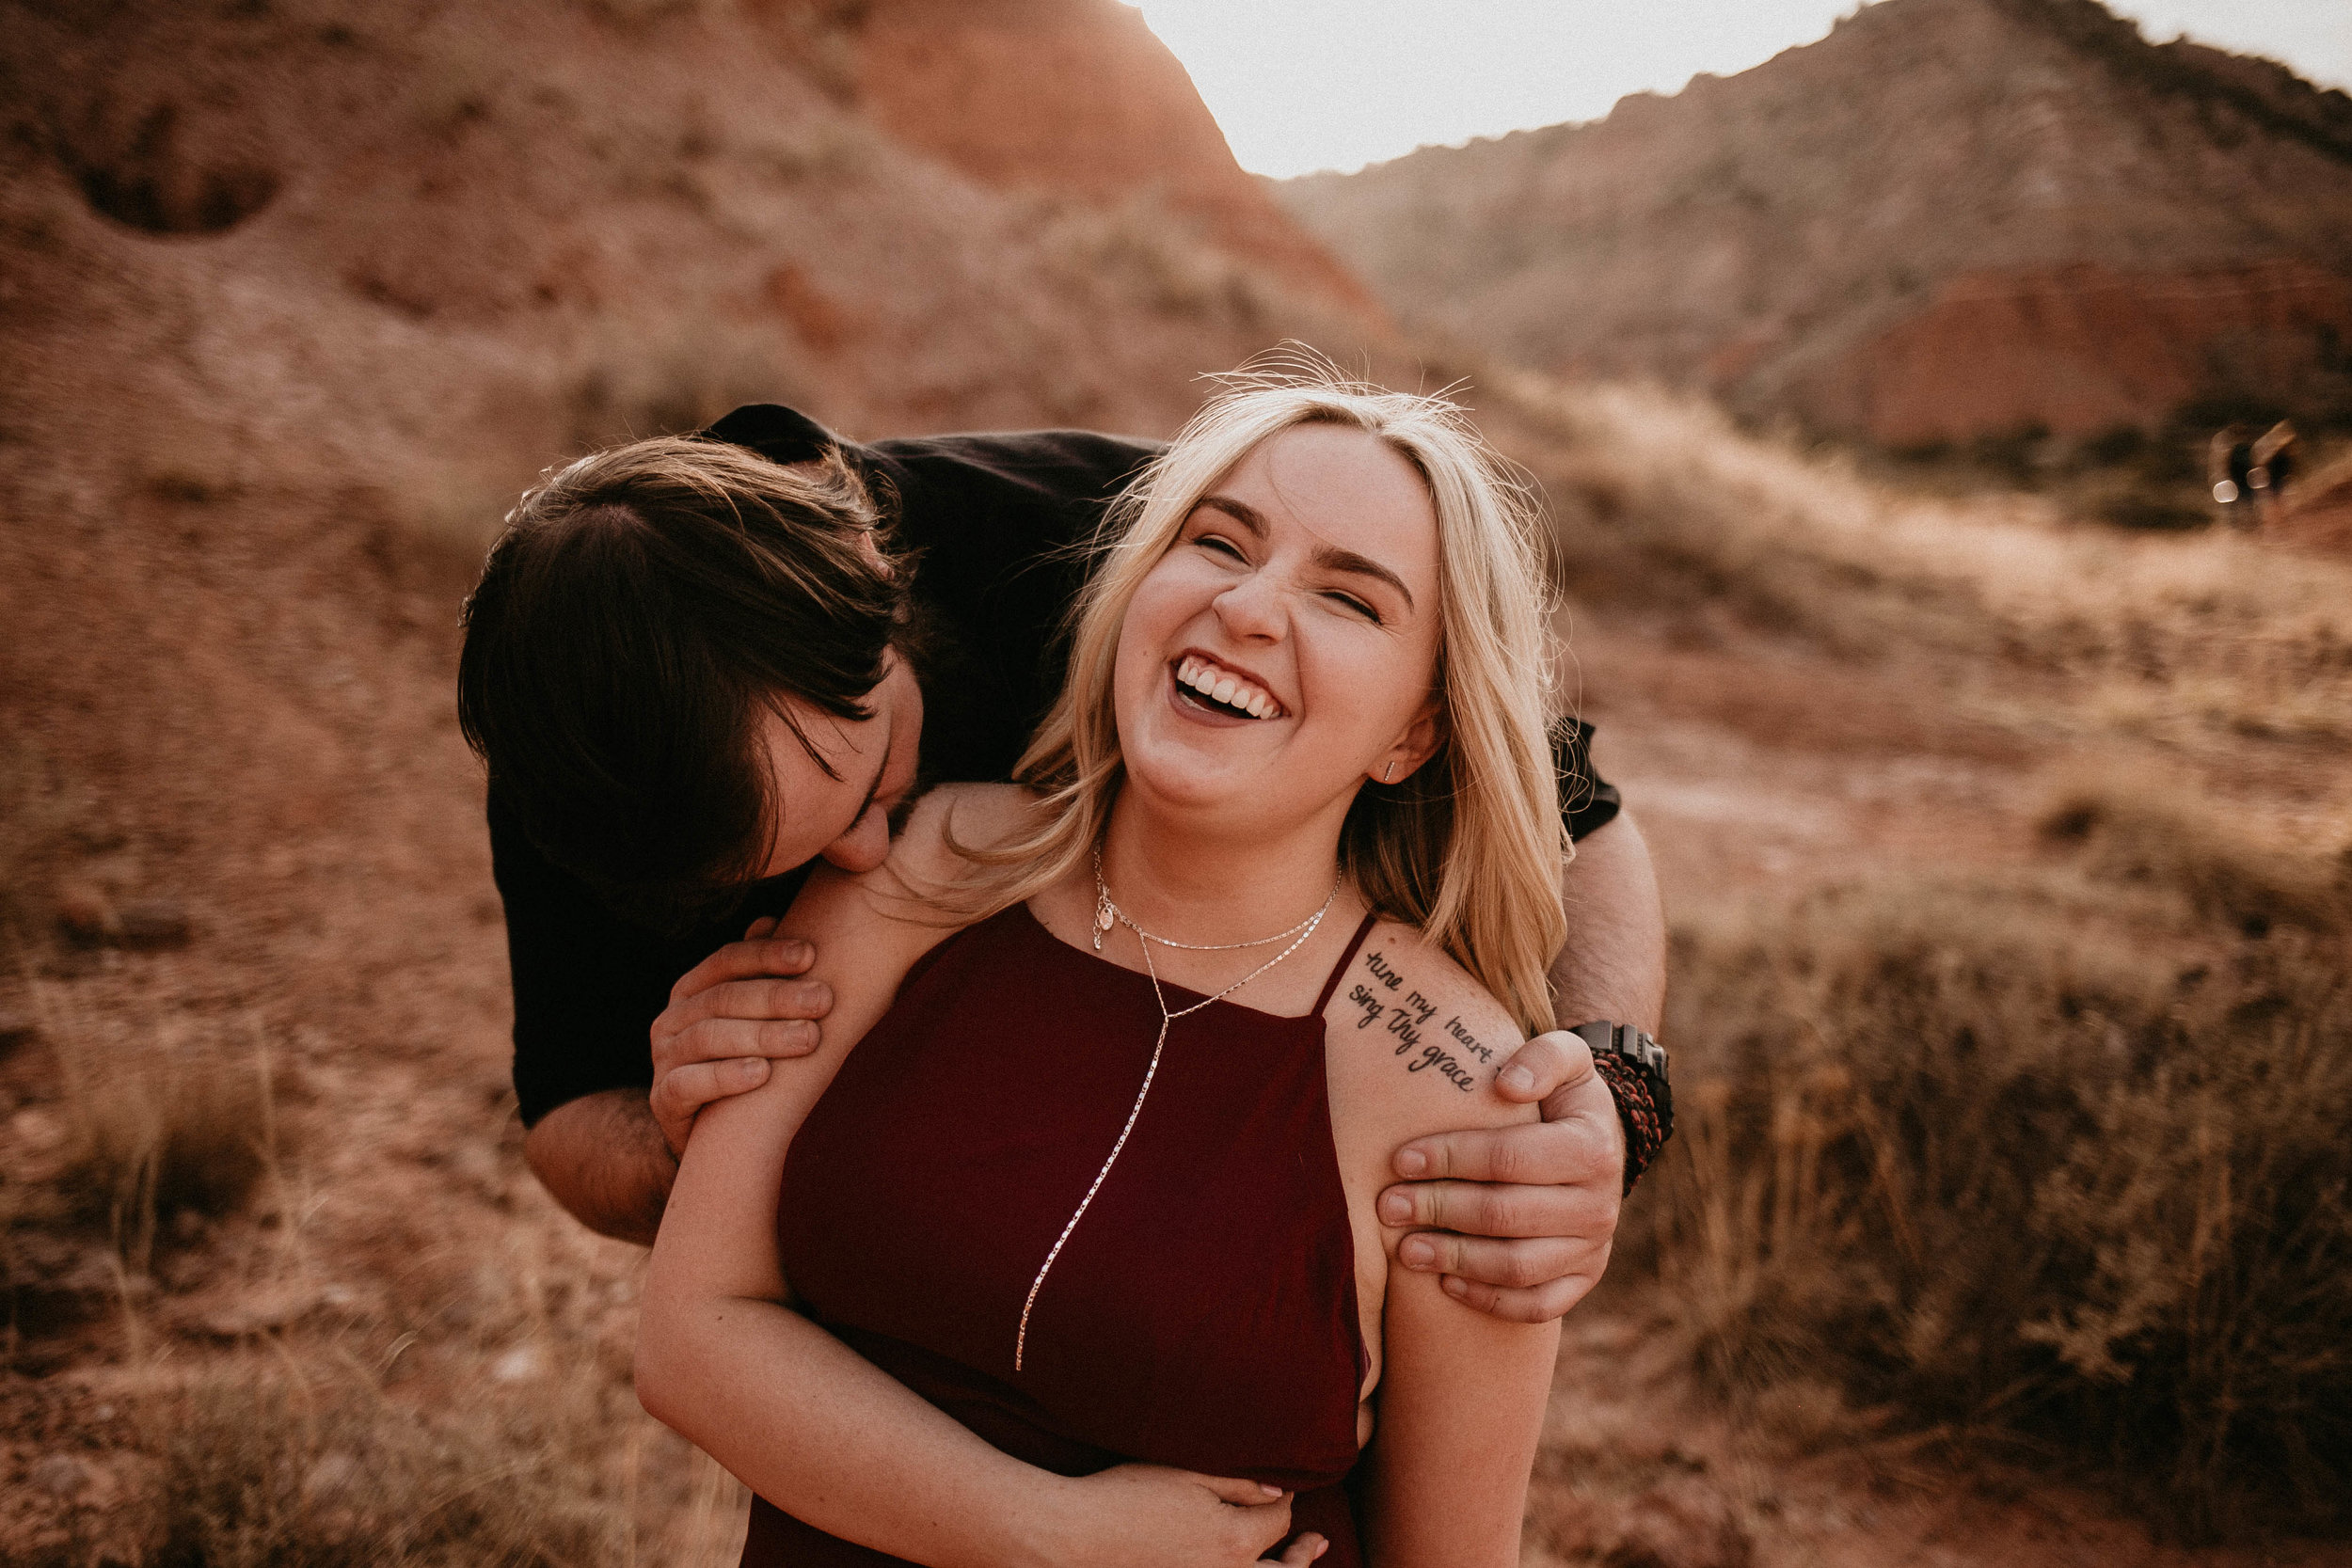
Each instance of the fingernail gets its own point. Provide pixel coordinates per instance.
(752, 1069)
(1412, 1161)
(1418, 1254)
(1454, 1288)
(1396, 1208)
(1321, 1546)
(1269, 1489)
(1516, 1077)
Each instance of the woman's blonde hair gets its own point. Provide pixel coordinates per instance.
(1468, 848)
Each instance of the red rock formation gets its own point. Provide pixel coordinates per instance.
(1077, 97)
(2080, 349)
(1949, 217)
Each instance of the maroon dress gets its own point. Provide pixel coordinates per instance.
(1203, 1313)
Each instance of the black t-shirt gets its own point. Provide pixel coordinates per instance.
(995, 522)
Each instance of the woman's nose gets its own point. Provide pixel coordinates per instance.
(1252, 609)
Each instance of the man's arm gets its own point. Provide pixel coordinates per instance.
(1525, 1216)
(610, 1157)
(604, 1158)
(1614, 964)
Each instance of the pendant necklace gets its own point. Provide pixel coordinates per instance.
(1107, 915)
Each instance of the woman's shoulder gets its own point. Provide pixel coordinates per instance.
(950, 823)
(875, 925)
(1418, 1037)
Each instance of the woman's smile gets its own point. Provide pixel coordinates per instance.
(1203, 687)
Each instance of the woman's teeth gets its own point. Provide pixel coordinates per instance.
(1222, 686)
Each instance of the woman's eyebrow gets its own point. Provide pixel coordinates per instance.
(1333, 557)
(1243, 513)
(1330, 557)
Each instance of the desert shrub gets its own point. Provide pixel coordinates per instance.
(167, 1120)
(2118, 444)
(311, 1464)
(2050, 1155)
(173, 1134)
(2159, 834)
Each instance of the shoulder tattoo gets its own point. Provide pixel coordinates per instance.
(1381, 999)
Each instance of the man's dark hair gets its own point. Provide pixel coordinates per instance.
(641, 611)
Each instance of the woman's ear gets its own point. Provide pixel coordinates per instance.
(1416, 745)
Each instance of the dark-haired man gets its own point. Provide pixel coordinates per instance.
(694, 668)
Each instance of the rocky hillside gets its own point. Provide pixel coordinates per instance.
(428, 249)
(1949, 217)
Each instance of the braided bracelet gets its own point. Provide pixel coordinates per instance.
(1645, 1131)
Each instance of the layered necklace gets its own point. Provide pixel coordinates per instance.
(1107, 915)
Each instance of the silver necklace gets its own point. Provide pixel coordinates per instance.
(1107, 915)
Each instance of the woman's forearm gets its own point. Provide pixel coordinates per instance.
(815, 1427)
(1461, 1411)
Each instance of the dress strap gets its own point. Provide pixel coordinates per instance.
(1354, 943)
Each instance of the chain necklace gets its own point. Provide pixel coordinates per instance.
(1107, 914)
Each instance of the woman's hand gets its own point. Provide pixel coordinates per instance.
(1149, 1516)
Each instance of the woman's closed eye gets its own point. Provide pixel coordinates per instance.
(1218, 544)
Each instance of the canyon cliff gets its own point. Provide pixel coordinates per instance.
(427, 249)
(1949, 217)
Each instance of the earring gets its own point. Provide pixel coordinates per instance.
(1387, 774)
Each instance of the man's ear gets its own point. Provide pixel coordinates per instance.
(1415, 745)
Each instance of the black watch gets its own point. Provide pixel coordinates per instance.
(1645, 1055)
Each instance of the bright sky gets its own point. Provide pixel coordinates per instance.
(1303, 85)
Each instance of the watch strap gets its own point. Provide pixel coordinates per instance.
(1634, 1067)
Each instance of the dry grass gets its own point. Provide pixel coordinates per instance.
(175, 1119)
(502, 1430)
(286, 1401)
(2053, 1154)
(309, 1461)
(2173, 839)
(2058, 1156)
(1661, 498)
(309, 1451)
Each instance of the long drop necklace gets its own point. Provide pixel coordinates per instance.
(1107, 915)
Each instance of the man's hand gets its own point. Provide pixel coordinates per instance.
(1523, 1216)
(732, 1013)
